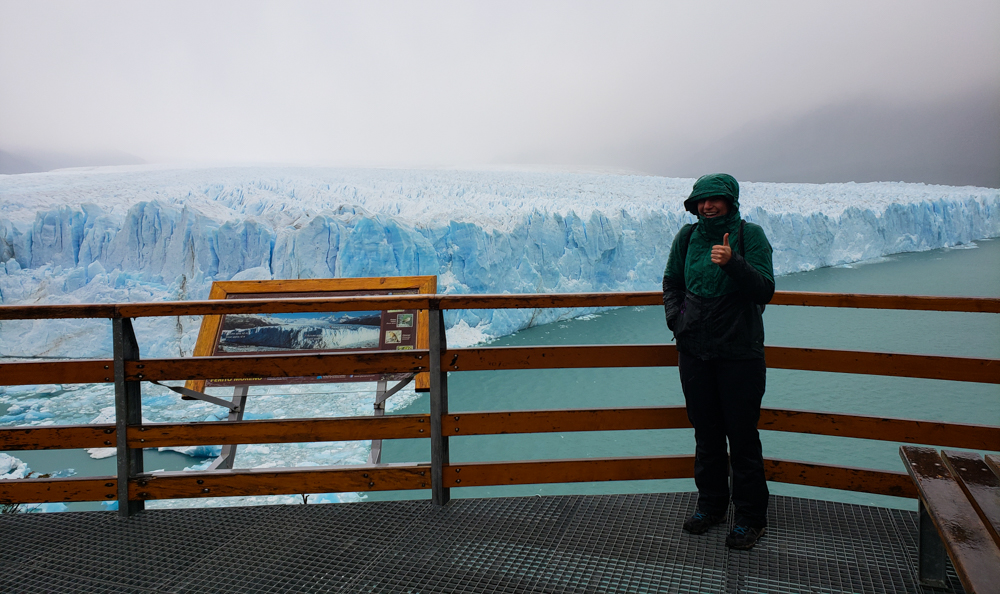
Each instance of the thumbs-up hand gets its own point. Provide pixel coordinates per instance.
(722, 253)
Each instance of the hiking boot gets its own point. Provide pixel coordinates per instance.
(700, 522)
(743, 538)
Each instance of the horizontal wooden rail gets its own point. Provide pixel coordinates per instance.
(559, 421)
(956, 435)
(958, 369)
(54, 490)
(506, 301)
(578, 357)
(263, 366)
(58, 437)
(154, 435)
(559, 357)
(906, 302)
(76, 371)
(845, 478)
(171, 485)
(57, 312)
(302, 304)
(286, 481)
(551, 300)
(491, 358)
(663, 467)
(953, 435)
(482, 474)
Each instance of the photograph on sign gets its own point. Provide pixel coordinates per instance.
(266, 333)
(284, 332)
(314, 332)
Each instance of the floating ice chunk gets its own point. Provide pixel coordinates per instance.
(12, 468)
(106, 417)
(201, 466)
(200, 451)
(462, 335)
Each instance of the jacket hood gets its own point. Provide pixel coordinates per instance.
(714, 184)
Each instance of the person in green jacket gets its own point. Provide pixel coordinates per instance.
(718, 278)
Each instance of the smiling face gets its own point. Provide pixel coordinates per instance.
(713, 207)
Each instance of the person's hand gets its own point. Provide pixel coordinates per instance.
(722, 253)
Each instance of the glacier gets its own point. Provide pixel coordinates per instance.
(153, 233)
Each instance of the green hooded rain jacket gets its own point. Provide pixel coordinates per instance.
(716, 311)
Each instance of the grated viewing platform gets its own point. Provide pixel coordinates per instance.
(579, 543)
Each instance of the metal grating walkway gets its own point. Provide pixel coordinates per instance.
(593, 543)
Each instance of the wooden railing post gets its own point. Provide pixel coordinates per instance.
(440, 493)
(128, 412)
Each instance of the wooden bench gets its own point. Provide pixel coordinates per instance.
(959, 513)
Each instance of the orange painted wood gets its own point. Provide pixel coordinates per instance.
(675, 417)
(479, 474)
(980, 485)
(548, 421)
(551, 300)
(908, 302)
(606, 419)
(77, 371)
(954, 435)
(261, 366)
(300, 304)
(661, 467)
(424, 284)
(964, 369)
(54, 490)
(574, 300)
(219, 304)
(53, 312)
(286, 481)
(577, 357)
(562, 357)
(58, 437)
(845, 478)
(973, 552)
(801, 298)
(279, 431)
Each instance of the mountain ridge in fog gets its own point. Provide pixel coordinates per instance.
(32, 161)
(954, 142)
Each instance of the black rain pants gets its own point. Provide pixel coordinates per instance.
(723, 399)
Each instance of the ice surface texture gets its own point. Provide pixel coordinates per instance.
(148, 233)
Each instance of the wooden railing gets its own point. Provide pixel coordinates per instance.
(127, 371)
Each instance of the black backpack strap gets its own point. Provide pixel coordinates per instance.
(743, 250)
(685, 240)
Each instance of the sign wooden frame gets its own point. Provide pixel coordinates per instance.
(208, 335)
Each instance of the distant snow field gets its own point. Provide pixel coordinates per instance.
(128, 234)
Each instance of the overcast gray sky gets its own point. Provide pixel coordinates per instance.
(659, 87)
